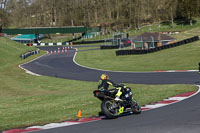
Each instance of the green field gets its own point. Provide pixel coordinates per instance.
(29, 100)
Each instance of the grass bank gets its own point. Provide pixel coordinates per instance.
(29, 100)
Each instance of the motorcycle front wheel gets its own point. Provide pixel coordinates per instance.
(136, 109)
(109, 109)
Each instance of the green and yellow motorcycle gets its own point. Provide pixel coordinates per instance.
(112, 108)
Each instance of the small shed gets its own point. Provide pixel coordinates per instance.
(28, 38)
(149, 40)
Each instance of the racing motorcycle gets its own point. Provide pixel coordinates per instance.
(112, 108)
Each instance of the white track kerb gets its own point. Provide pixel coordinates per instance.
(165, 102)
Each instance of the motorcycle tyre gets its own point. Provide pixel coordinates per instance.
(106, 112)
(136, 109)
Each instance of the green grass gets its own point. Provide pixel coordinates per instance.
(29, 100)
(188, 33)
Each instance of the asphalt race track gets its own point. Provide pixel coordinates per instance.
(62, 66)
(182, 117)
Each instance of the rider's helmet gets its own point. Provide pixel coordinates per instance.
(104, 77)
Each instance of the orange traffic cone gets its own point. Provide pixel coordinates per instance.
(79, 114)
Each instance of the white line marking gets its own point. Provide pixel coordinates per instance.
(59, 43)
(42, 44)
(155, 106)
(50, 44)
(55, 125)
(176, 98)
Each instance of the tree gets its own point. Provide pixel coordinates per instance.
(188, 9)
(118, 14)
(4, 15)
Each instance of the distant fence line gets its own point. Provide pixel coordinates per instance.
(90, 42)
(146, 51)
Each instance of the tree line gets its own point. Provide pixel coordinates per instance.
(116, 14)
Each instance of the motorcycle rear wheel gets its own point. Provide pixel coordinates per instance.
(108, 110)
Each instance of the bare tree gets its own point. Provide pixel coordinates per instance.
(114, 13)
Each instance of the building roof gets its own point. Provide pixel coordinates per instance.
(27, 37)
(152, 36)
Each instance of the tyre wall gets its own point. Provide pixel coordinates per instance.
(146, 51)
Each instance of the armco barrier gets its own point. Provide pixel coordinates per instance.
(66, 43)
(24, 56)
(53, 44)
(146, 51)
(115, 46)
(109, 47)
(90, 42)
(48, 44)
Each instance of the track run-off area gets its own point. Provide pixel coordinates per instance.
(180, 117)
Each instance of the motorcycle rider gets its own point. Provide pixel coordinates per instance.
(104, 84)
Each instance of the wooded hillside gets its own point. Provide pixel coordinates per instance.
(116, 14)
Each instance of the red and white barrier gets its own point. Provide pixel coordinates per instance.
(60, 50)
